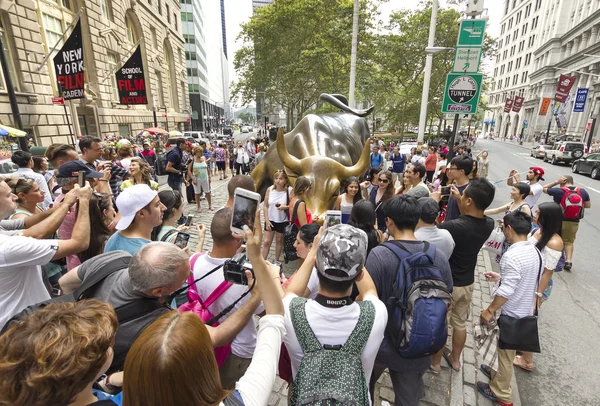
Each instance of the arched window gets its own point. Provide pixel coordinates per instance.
(132, 36)
(171, 76)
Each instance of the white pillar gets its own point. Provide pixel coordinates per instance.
(427, 77)
(353, 55)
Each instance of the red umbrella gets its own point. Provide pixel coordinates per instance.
(155, 130)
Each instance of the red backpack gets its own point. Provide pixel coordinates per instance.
(572, 203)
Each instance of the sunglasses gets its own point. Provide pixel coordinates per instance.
(384, 180)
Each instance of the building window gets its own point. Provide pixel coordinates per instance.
(53, 30)
(189, 17)
(107, 9)
(175, 21)
(113, 60)
(159, 6)
(132, 37)
(124, 131)
(153, 36)
(160, 91)
(8, 53)
(168, 9)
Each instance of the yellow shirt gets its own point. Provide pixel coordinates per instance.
(128, 183)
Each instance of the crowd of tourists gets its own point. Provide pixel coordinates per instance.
(103, 301)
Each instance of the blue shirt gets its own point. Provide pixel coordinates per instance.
(175, 157)
(376, 160)
(398, 162)
(558, 193)
(118, 242)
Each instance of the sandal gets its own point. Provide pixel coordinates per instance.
(520, 362)
(446, 355)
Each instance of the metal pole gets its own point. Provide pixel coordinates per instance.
(12, 97)
(154, 116)
(69, 123)
(353, 55)
(548, 130)
(591, 134)
(427, 77)
(452, 138)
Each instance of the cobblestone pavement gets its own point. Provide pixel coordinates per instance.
(449, 388)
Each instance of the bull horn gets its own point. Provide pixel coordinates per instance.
(362, 165)
(288, 160)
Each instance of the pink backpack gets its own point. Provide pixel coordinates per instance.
(196, 305)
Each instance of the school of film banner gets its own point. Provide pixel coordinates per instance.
(69, 67)
(130, 80)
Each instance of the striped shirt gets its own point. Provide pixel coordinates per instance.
(520, 272)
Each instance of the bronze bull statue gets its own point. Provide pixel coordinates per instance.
(326, 148)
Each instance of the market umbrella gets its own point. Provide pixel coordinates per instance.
(154, 130)
(13, 132)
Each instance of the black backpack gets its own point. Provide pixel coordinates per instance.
(127, 331)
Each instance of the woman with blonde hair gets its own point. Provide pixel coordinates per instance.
(140, 173)
(54, 356)
(172, 362)
(29, 196)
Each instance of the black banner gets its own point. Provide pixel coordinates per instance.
(69, 68)
(130, 80)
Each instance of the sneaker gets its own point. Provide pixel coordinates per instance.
(485, 390)
(487, 370)
(568, 266)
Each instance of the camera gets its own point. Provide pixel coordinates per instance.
(445, 190)
(234, 269)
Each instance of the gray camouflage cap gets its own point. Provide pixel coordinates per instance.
(342, 247)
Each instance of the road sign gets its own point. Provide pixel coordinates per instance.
(471, 33)
(462, 92)
(467, 59)
(58, 100)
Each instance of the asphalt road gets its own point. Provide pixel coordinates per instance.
(566, 371)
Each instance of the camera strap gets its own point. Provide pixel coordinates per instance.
(181, 290)
(333, 303)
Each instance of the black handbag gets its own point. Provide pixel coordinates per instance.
(521, 334)
(289, 237)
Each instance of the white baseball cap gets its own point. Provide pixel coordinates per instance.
(130, 201)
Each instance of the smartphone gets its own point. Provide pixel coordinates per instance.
(182, 240)
(445, 190)
(245, 204)
(276, 263)
(189, 219)
(333, 218)
(81, 178)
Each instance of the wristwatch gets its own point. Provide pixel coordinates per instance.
(538, 294)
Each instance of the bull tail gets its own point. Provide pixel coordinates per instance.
(340, 101)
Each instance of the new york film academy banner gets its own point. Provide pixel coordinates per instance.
(130, 80)
(518, 103)
(69, 67)
(508, 105)
(565, 83)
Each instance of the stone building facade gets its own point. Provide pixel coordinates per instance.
(562, 37)
(110, 31)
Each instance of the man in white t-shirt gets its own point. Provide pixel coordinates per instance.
(534, 176)
(225, 247)
(416, 173)
(427, 231)
(339, 258)
(21, 258)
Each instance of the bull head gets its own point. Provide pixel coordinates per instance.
(325, 174)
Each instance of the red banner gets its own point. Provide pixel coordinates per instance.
(518, 103)
(565, 83)
(508, 105)
(544, 106)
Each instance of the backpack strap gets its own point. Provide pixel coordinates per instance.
(306, 336)
(295, 211)
(136, 309)
(360, 335)
(223, 286)
(107, 269)
(169, 234)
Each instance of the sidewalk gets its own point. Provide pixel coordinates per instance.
(449, 388)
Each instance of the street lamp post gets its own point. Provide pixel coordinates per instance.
(427, 78)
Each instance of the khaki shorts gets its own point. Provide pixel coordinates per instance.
(569, 231)
(462, 297)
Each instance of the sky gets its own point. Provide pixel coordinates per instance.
(239, 11)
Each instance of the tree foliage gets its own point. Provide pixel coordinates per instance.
(295, 50)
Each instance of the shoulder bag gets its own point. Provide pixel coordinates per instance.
(521, 334)
(289, 237)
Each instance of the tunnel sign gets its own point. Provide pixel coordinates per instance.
(462, 92)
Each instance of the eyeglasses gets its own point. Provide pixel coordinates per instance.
(384, 180)
(452, 169)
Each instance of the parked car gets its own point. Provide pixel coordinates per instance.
(7, 166)
(539, 151)
(565, 151)
(589, 165)
(246, 129)
(227, 131)
(193, 134)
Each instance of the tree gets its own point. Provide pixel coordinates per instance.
(294, 50)
(246, 117)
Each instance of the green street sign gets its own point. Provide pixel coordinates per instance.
(467, 59)
(471, 33)
(462, 92)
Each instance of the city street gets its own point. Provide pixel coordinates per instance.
(570, 320)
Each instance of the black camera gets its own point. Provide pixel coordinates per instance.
(234, 269)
